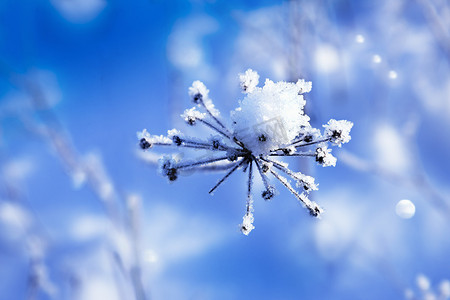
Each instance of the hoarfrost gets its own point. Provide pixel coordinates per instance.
(270, 121)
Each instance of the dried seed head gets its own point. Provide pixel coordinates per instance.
(338, 131)
(215, 144)
(247, 223)
(288, 150)
(270, 121)
(144, 144)
(268, 193)
(305, 182)
(232, 155)
(262, 138)
(249, 80)
(316, 211)
(308, 138)
(324, 157)
(168, 168)
(197, 98)
(192, 115)
(177, 140)
(265, 167)
(198, 92)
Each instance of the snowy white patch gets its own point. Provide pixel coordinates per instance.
(152, 139)
(392, 74)
(249, 80)
(405, 209)
(427, 291)
(143, 135)
(247, 221)
(200, 95)
(377, 59)
(173, 132)
(327, 59)
(79, 11)
(18, 169)
(247, 224)
(444, 288)
(191, 115)
(423, 282)
(305, 182)
(304, 86)
(359, 38)
(338, 131)
(270, 117)
(390, 148)
(15, 219)
(79, 177)
(98, 287)
(197, 89)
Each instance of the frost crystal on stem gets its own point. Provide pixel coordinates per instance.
(269, 122)
(338, 131)
(249, 81)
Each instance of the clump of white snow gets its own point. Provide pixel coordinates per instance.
(338, 131)
(249, 81)
(269, 122)
(272, 116)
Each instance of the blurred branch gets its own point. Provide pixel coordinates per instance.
(51, 130)
(436, 25)
(34, 240)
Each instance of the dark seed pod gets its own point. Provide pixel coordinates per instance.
(144, 144)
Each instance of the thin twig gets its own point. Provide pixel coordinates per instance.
(249, 190)
(214, 117)
(202, 162)
(313, 208)
(293, 154)
(264, 177)
(227, 175)
(215, 128)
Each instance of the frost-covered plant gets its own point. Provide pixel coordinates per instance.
(269, 122)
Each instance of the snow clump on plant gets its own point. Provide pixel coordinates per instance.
(269, 122)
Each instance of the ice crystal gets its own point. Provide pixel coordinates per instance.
(269, 122)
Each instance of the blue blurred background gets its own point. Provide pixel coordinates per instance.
(84, 216)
